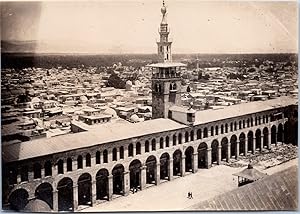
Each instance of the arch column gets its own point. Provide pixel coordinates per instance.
(157, 174)
(262, 143)
(237, 149)
(65, 165)
(55, 200)
(195, 162)
(75, 197)
(182, 166)
(94, 192)
(269, 140)
(143, 177)
(254, 144)
(170, 169)
(219, 155)
(110, 187)
(208, 157)
(228, 152)
(126, 184)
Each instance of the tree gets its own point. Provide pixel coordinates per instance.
(115, 81)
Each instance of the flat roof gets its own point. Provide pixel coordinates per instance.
(167, 65)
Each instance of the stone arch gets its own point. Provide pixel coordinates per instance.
(224, 149)
(18, 199)
(266, 138)
(273, 135)
(44, 192)
(151, 170)
(202, 155)
(189, 159)
(177, 163)
(85, 189)
(205, 132)
(118, 179)
(233, 146)
(135, 174)
(242, 146)
(258, 139)
(186, 137)
(164, 166)
(215, 152)
(102, 184)
(199, 134)
(65, 194)
(250, 141)
(280, 133)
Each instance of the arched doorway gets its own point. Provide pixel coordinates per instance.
(280, 133)
(118, 179)
(102, 184)
(151, 170)
(189, 159)
(258, 139)
(273, 135)
(214, 152)
(18, 199)
(135, 174)
(177, 159)
(65, 195)
(164, 166)
(85, 189)
(242, 148)
(266, 138)
(44, 192)
(224, 149)
(250, 141)
(202, 155)
(233, 146)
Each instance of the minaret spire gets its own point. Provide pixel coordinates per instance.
(164, 45)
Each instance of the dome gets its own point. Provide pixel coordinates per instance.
(111, 112)
(37, 205)
(83, 99)
(36, 100)
(128, 82)
(134, 118)
(163, 10)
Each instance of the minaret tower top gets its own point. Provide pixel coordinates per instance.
(164, 45)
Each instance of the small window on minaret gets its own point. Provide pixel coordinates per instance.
(161, 50)
(167, 56)
(167, 48)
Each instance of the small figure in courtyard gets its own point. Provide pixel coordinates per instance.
(191, 195)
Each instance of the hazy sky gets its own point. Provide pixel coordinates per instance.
(131, 26)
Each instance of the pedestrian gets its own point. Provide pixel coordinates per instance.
(191, 195)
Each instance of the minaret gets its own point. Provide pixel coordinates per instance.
(164, 45)
(166, 77)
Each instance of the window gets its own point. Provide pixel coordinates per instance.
(69, 164)
(114, 154)
(217, 130)
(167, 141)
(199, 134)
(60, 167)
(231, 127)
(222, 129)
(130, 150)
(121, 152)
(226, 128)
(98, 157)
(105, 156)
(190, 117)
(174, 140)
(180, 138)
(192, 135)
(153, 145)
(79, 162)
(48, 168)
(205, 132)
(147, 146)
(212, 131)
(138, 148)
(88, 160)
(24, 173)
(161, 143)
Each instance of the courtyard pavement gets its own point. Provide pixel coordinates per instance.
(204, 184)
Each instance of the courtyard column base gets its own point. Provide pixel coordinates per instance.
(55, 201)
(110, 187)
(219, 155)
(157, 174)
(208, 158)
(170, 170)
(75, 197)
(94, 193)
(126, 183)
(195, 162)
(143, 177)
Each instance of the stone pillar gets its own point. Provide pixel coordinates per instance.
(246, 146)
(110, 187)
(269, 140)
(254, 145)
(94, 192)
(55, 200)
(134, 149)
(126, 185)
(195, 162)
(65, 166)
(219, 155)
(143, 177)
(208, 158)
(74, 164)
(170, 169)
(182, 165)
(157, 174)
(262, 143)
(75, 197)
(228, 152)
(237, 150)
